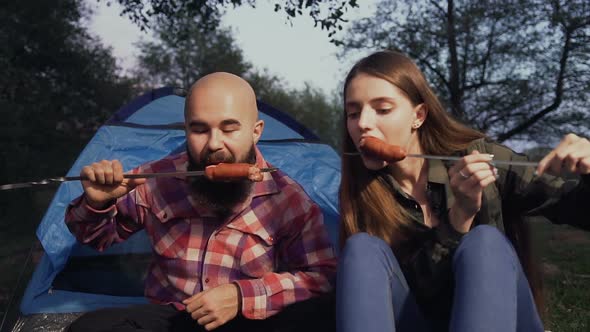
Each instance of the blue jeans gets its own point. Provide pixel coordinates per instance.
(491, 291)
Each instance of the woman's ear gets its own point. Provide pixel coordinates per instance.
(421, 113)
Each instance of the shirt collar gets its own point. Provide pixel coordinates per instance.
(437, 175)
(267, 186)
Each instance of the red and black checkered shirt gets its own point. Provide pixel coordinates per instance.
(274, 246)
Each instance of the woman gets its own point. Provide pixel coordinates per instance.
(430, 245)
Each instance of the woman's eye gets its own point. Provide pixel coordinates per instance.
(199, 130)
(352, 115)
(383, 110)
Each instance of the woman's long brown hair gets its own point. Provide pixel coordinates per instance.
(366, 200)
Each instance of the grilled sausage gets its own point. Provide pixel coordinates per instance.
(233, 172)
(376, 148)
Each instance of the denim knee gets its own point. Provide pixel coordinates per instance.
(363, 251)
(364, 245)
(487, 242)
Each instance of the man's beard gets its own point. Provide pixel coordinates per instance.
(220, 197)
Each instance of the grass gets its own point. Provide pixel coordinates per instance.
(565, 255)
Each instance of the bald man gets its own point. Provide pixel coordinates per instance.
(227, 255)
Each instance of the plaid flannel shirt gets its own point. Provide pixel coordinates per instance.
(274, 246)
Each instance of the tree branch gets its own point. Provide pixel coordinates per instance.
(440, 75)
(485, 83)
(486, 57)
(558, 93)
(455, 92)
(437, 6)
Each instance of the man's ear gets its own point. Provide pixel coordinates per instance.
(258, 129)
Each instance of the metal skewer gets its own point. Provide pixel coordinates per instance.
(126, 176)
(453, 158)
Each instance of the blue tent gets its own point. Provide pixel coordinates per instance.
(73, 278)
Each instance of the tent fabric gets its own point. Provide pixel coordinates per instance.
(149, 128)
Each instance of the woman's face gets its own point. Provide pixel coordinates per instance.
(375, 107)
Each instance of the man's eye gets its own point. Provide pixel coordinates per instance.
(230, 129)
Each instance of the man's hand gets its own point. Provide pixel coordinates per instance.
(571, 155)
(468, 178)
(214, 307)
(106, 183)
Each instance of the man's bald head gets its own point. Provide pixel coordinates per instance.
(219, 90)
(221, 120)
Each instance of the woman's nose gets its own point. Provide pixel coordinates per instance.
(367, 119)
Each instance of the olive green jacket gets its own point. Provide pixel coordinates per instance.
(517, 194)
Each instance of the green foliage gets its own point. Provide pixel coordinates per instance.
(309, 105)
(325, 13)
(178, 60)
(514, 69)
(58, 84)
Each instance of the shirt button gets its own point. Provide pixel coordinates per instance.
(206, 280)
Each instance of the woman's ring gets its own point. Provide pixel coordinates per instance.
(463, 175)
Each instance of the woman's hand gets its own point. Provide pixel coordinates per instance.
(572, 155)
(468, 178)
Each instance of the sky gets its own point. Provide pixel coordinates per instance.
(295, 51)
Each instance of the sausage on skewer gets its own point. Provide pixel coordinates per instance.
(220, 172)
(376, 148)
(233, 172)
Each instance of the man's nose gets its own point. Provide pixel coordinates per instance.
(215, 141)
